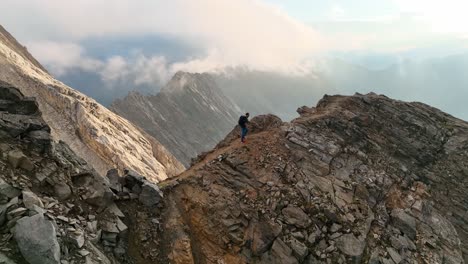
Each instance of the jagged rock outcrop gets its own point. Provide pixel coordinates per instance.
(36, 175)
(358, 179)
(96, 134)
(54, 207)
(190, 114)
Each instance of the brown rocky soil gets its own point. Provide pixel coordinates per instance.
(360, 179)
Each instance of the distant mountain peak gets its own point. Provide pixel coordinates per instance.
(189, 116)
(182, 81)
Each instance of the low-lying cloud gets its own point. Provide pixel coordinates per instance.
(232, 33)
(60, 57)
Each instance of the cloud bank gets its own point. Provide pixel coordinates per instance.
(241, 32)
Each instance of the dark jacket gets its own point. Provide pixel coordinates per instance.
(243, 120)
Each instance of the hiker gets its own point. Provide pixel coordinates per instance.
(243, 120)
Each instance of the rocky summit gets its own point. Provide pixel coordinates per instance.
(358, 179)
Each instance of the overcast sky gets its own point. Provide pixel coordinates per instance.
(148, 40)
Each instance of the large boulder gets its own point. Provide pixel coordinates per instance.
(37, 241)
(30, 199)
(295, 216)
(351, 246)
(115, 181)
(150, 194)
(280, 254)
(17, 159)
(7, 191)
(262, 236)
(405, 222)
(62, 190)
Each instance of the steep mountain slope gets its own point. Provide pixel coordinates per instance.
(99, 136)
(360, 179)
(55, 208)
(44, 214)
(190, 114)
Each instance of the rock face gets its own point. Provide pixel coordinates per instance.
(96, 134)
(54, 208)
(189, 116)
(359, 179)
(37, 240)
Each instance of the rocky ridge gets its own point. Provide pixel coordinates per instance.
(96, 134)
(360, 179)
(190, 114)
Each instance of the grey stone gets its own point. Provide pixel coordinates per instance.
(114, 180)
(386, 261)
(335, 228)
(7, 191)
(313, 236)
(96, 255)
(16, 212)
(150, 194)
(402, 242)
(374, 258)
(351, 246)
(312, 260)
(5, 260)
(36, 210)
(109, 226)
(330, 249)
(280, 253)
(92, 226)
(17, 159)
(4, 208)
(77, 239)
(99, 194)
(84, 253)
(404, 222)
(296, 216)
(113, 209)
(110, 237)
(36, 238)
(40, 138)
(30, 199)
(62, 191)
(298, 235)
(121, 226)
(262, 236)
(394, 255)
(132, 178)
(300, 251)
(63, 218)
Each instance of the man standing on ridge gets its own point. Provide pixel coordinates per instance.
(243, 120)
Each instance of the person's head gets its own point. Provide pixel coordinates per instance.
(247, 114)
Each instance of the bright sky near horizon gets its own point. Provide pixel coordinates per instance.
(444, 16)
(316, 10)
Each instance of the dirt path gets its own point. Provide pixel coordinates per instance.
(235, 144)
